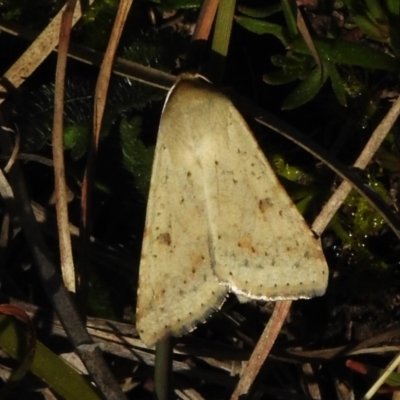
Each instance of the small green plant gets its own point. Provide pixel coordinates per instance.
(314, 58)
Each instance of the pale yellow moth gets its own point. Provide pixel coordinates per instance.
(217, 220)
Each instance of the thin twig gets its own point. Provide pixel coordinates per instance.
(199, 45)
(262, 348)
(48, 162)
(205, 20)
(305, 33)
(389, 369)
(362, 161)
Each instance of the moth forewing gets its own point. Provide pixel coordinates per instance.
(177, 287)
(261, 245)
(217, 220)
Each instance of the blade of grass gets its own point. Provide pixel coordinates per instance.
(46, 365)
(26, 352)
(220, 44)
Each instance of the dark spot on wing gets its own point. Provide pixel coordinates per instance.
(264, 204)
(164, 238)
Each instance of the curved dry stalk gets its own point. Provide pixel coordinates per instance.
(14, 154)
(88, 180)
(60, 186)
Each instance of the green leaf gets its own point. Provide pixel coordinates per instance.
(375, 11)
(222, 35)
(280, 77)
(344, 52)
(388, 160)
(166, 5)
(294, 65)
(372, 29)
(370, 17)
(136, 157)
(393, 7)
(306, 90)
(304, 204)
(263, 27)
(290, 17)
(395, 35)
(337, 83)
(261, 12)
(76, 139)
(290, 60)
(46, 365)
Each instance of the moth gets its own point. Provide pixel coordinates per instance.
(217, 221)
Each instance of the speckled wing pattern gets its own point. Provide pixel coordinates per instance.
(217, 220)
(177, 286)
